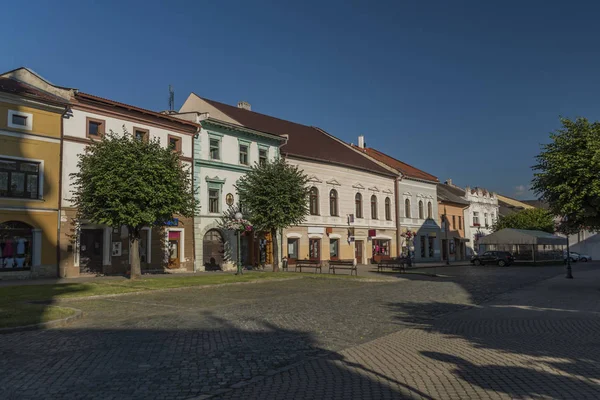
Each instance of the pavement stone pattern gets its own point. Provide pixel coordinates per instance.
(307, 338)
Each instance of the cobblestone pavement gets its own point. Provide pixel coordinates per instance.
(314, 338)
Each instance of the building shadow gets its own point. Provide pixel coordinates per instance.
(251, 361)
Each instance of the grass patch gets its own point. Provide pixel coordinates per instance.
(21, 314)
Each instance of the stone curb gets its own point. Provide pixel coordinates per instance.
(45, 325)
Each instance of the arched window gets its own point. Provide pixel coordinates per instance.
(314, 201)
(373, 207)
(388, 209)
(429, 210)
(333, 203)
(16, 240)
(358, 205)
(407, 208)
(420, 209)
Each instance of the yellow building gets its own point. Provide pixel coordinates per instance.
(30, 162)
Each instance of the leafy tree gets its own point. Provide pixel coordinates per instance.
(533, 218)
(567, 171)
(275, 196)
(122, 181)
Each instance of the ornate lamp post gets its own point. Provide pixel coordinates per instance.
(238, 217)
(564, 220)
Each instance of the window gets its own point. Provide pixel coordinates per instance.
(358, 205)
(422, 246)
(141, 134)
(407, 208)
(95, 128)
(214, 149)
(381, 247)
(460, 223)
(17, 245)
(485, 219)
(454, 222)
(20, 179)
(420, 209)
(333, 203)
(493, 218)
(314, 201)
(262, 156)
(373, 207)
(475, 218)
(334, 249)
(388, 209)
(314, 249)
(243, 154)
(213, 200)
(293, 249)
(20, 120)
(175, 143)
(430, 245)
(429, 210)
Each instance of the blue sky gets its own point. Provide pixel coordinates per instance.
(464, 89)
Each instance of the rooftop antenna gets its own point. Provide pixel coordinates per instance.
(171, 98)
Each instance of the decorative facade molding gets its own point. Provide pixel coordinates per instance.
(333, 182)
(358, 186)
(313, 178)
(374, 189)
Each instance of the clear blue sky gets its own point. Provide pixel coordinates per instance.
(463, 90)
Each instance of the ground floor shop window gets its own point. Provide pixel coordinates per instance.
(381, 247)
(293, 249)
(334, 249)
(422, 246)
(16, 240)
(314, 248)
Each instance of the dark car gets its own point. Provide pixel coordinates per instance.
(500, 258)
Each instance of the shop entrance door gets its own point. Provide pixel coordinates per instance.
(174, 249)
(358, 251)
(91, 249)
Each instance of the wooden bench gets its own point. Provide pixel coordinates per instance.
(343, 264)
(316, 264)
(393, 264)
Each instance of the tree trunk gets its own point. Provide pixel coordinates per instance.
(275, 250)
(134, 241)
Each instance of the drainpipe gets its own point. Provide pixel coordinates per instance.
(196, 136)
(397, 199)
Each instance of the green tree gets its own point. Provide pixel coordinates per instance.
(275, 196)
(567, 173)
(533, 218)
(122, 181)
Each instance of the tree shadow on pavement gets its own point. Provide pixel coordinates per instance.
(538, 342)
(248, 359)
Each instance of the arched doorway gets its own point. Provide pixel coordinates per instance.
(212, 250)
(16, 245)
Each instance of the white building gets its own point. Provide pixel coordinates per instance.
(417, 206)
(93, 248)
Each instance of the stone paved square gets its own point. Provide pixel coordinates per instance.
(470, 333)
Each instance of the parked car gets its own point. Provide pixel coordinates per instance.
(573, 256)
(500, 258)
(582, 257)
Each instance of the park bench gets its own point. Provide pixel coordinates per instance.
(316, 264)
(343, 264)
(392, 264)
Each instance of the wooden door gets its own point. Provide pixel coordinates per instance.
(91, 250)
(174, 249)
(358, 251)
(314, 249)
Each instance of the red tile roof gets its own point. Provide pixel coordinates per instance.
(303, 141)
(102, 100)
(23, 89)
(406, 169)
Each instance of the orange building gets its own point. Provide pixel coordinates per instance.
(451, 211)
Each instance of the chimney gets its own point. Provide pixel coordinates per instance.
(361, 141)
(449, 182)
(244, 105)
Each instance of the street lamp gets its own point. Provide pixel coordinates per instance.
(238, 217)
(564, 220)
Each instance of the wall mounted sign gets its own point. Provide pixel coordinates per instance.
(229, 199)
(116, 249)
